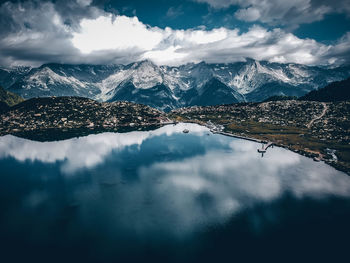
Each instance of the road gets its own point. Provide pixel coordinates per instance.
(325, 108)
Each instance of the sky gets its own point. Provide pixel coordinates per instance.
(174, 32)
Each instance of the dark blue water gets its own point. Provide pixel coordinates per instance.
(166, 196)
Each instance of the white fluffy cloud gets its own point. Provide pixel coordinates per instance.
(102, 38)
(261, 44)
(168, 46)
(120, 32)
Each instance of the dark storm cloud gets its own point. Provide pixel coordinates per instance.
(73, 11)
(29, 30)
(35, 14)
(37, 32)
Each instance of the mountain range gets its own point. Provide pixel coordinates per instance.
(169, 87)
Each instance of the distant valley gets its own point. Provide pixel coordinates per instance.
(167, 88)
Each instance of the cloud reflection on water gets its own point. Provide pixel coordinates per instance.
(177, 195)
(239, 180)
(82, 152)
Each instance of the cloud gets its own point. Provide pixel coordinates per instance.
(339, 52)
(218, 3)
(174, 12)
(261, 44)
(106, 33)
(289, 13)
(84, 2)
(34, 33)
(250, 14)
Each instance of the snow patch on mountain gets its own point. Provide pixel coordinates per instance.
(254, 75)
(146, 75)
(45, 77)
(299, 72)
(109, 84)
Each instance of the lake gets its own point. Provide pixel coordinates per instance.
(167, 196)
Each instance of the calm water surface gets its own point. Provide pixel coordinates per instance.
(166, 196)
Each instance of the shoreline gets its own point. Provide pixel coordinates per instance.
(54, 133)
(302, 152)
(305, 153)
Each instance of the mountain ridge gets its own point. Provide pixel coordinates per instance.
(181, 85)
(335, 91)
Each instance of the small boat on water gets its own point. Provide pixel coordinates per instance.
(317, 159)
(185, 131)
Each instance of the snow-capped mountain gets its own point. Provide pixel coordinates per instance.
(168, 87)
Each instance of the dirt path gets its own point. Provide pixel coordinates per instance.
(325, 108)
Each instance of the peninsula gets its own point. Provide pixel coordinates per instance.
(316, 129)
(64, 117)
